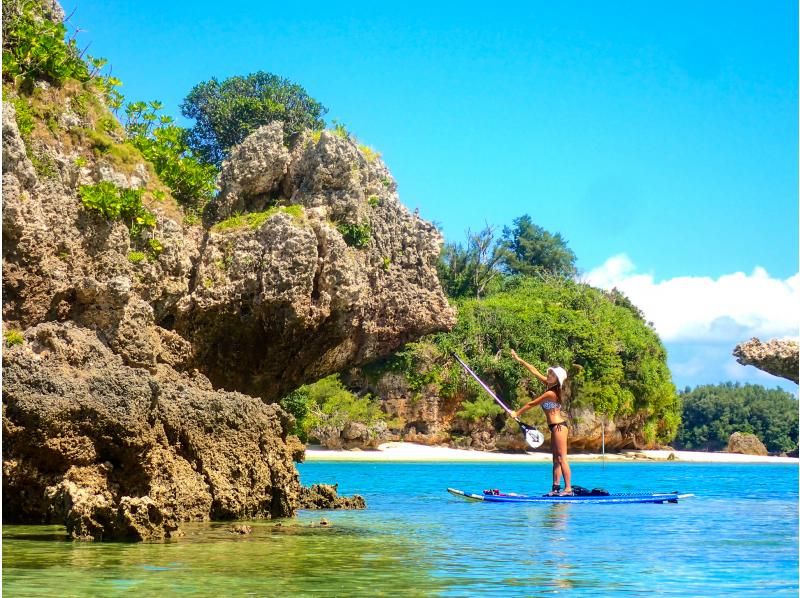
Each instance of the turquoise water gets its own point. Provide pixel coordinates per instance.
(738, 536)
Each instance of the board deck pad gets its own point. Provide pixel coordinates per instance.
(643, 497)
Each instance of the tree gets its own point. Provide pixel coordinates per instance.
(468, 271)
(532, 250)
(226, 112)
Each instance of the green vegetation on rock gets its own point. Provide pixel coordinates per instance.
(166, 146)
(711, 413)
(355, 235)
(616, 362)
(35, 48)
(254, 220)
(324, 408)
(13, 337)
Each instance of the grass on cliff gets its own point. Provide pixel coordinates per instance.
(254, 220)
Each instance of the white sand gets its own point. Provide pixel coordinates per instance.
(408, 451)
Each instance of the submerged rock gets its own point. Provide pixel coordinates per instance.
(325, 496)
(776, 357)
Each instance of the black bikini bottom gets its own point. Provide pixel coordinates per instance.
(557, 426)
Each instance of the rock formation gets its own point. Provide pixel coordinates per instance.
(776, 357)
(324, 496)
(122, 452)
(115, 418)
(290, 301)
(746, 444)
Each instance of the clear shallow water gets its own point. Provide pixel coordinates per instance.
(415, 539)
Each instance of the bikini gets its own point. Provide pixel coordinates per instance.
(552, 406)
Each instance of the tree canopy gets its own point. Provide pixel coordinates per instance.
(225, 112)
(533, 250)
(711, 413)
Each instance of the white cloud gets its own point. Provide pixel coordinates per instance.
(733, 307)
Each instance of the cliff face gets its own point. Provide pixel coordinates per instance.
(776, 357)
(427, 417)
(114, 415)
(290, 301)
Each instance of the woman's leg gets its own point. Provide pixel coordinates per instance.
(559, 441)
(556, 463)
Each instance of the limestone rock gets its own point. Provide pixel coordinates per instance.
(120, 452)
(325, 496)
(288, 300)
(252, 172)
(746, 444)
(776, 357)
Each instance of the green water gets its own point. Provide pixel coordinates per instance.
(298, 557)
(738, 536)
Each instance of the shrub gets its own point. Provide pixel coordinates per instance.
(481, 407)
(34, 47)
(225, 112)
(331, 407)
(374, 201)
(355, 235)
(166, 146)
(13, 337)
(135, 257)
(115, 203)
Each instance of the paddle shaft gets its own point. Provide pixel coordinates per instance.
(489, 390)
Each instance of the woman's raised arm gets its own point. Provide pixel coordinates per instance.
(529, 367)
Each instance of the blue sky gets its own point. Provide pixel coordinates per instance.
(659, 134)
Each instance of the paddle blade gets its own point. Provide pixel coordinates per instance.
(534, 438)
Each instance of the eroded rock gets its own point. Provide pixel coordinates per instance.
(325, 496)
(776, 357)
(119, 452)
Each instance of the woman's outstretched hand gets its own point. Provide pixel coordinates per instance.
(513, 414)
(514, 354)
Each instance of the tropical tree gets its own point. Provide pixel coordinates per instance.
(532, 250)
(469, 271)
(225, 112)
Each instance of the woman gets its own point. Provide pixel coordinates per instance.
(551, 402)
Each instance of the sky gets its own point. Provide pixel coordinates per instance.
(660, 138)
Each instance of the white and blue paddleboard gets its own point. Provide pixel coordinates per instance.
(645, 497)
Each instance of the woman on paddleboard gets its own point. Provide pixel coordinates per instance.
(551, 403)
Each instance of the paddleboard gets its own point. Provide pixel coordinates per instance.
(645, 497)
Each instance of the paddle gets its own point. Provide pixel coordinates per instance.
(533, 437)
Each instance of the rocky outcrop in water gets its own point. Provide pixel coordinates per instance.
(776, 357)
(325, 496)
(115, 451)
(298, 298)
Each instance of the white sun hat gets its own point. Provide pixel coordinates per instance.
(560, 373)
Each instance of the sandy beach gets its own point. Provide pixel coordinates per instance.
(408, 451)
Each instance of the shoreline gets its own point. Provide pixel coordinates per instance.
(411, 452)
